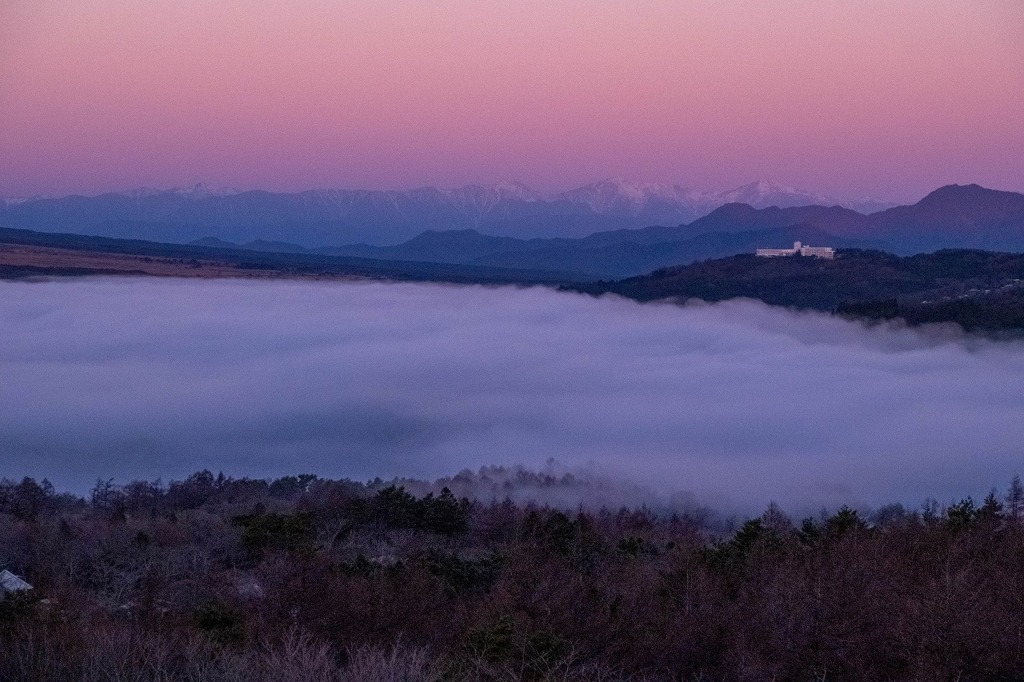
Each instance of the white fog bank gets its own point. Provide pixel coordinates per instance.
(737, 402)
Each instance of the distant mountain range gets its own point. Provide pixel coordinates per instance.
(318, 218)
(951, 217)
(954, 216)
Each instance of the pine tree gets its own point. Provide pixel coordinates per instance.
(991, 509)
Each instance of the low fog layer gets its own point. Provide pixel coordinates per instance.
(737, 403)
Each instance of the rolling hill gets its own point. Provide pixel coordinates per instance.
(977, 289)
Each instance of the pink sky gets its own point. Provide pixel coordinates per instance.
(867, 98)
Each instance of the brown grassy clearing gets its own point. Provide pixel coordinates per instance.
(57, 259)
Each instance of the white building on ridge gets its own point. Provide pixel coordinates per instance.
(799, 249)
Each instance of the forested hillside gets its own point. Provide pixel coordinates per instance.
(214, 578)
(981, 290)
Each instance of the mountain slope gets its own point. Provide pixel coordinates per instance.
(955, 216)
(743, 217)
(320, 218)
(950, 217)
(628, 258)
(855, 275)
(451, 246)
(277, 263)
(610, 223)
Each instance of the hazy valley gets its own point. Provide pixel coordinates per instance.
(327, 355)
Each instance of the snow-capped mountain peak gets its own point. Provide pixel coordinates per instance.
(500, 191)
(14, 201)
(517, 190)
(764, 193)
(479, 200)
(202, 190)
(138, 193)
(613, 194)
(383, 216)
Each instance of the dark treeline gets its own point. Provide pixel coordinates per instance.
(284, 264)
(979, 290)
(988, 312)
(301, 578)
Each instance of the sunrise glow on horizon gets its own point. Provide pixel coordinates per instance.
(873, 98)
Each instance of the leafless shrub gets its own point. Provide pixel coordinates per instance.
(299, 658)
(400, 664)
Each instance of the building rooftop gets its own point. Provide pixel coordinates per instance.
(799, 249)
(12, 583)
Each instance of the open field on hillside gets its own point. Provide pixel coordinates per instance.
(18, 261)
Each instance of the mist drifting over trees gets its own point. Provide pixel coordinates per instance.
(301, 578)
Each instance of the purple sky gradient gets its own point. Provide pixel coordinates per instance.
(869, 98)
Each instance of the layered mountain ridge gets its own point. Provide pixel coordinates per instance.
(955, 216)
(326, 217)
(951, 217)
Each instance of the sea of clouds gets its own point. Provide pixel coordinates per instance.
(735, 404)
